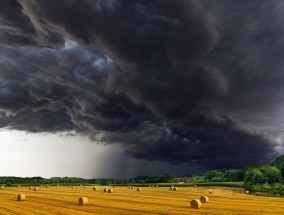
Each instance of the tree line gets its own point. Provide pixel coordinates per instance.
(210, 176)
(256, 178)
(9, 181)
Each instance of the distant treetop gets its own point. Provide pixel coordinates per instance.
(279, 163)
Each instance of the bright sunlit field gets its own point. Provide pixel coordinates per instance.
(150, 200)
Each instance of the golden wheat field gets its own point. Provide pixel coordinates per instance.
(150, 200)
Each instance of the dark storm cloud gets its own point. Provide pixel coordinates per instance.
(182, 81)
(65, 93)
(18, 29)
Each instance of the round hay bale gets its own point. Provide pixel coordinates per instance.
(58, 185)
(247, 192)
(31, 188)
(210, 191)
(19, 186)
(113, 186)
(110, 191)
(195, 203)
(171, 188)
(129, 187)
(84, 186)
(2, 187)
(41, 185)
(149, 186)
(138, 189)
(21, 197)
(175, 189)
(72, 187)
(105, 190)
(35, 189)
(204, 199)
(47, 186)
(83, 201)
(95, 189)
(195, 185)
(132, 187)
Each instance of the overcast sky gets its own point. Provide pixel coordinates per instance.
(59, 155)
(142, 86)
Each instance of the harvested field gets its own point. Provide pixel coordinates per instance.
(157, 200)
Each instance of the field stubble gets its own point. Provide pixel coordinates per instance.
(151, 200)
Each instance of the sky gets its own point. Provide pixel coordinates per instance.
(120, 88)
(59, 155)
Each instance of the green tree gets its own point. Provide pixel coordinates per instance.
(234, 175)
(8, 184)
(260, 175)
(253, 176)
(271, 174)
(198, 178)
(214, 175)
(257, 177)
(279, 163)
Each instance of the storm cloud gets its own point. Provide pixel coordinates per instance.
(184, 81)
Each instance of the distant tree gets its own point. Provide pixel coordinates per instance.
(260, 175)
(214, 175)
(166, 179)
(279, 163)
(234, 175)
(271, 174)
(199, 179)
(8, 184)
(216, 179)
(254, 176)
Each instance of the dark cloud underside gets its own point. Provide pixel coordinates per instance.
(183, 81)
